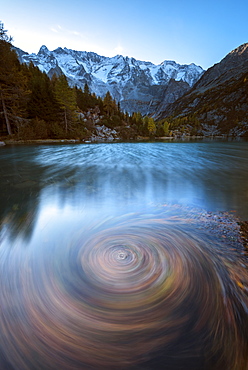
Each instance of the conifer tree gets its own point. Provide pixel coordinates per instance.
(145, 130)
(138, 121)
(4, 46)
(3, 33)
(66, 98)
(13, 82)
(42, 103)
(108, 104)
(86, 89)
(166, 127)
(151, 126)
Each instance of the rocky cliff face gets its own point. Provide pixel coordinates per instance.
(232, 66)
(138, 86)
(219, 99)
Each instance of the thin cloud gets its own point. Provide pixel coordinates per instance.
(66, 32)
(76, 33)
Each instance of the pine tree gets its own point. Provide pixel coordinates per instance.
(138, 121)
(108, 104)
(3, 34)
(86, 89)
(166, 127)
(151, 126)
(4, 47)
(42, 103)
(13, 83)
(66, 99)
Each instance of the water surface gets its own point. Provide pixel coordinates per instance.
(211, 175)
(106, 263)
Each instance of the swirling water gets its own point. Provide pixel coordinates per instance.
(103, 266)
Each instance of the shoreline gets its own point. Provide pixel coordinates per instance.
(4, 141)
(39, 141)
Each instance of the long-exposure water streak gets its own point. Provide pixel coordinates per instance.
(108, 260)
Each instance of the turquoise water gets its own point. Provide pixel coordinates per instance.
(109, 177)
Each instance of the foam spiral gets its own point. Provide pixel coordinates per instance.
(135, 292)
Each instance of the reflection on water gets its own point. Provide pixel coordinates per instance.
(97, 273)
(209, 175)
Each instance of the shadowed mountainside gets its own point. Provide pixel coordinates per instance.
(219, 100)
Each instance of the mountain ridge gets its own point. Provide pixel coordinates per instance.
(131, 82)
(219, 99)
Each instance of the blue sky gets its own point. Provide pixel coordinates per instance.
(200, 32)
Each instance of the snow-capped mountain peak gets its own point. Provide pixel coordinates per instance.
(43, 50)
(129, 81)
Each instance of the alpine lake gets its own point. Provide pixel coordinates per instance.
(124, 255)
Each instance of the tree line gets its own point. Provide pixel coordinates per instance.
(34, 106)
